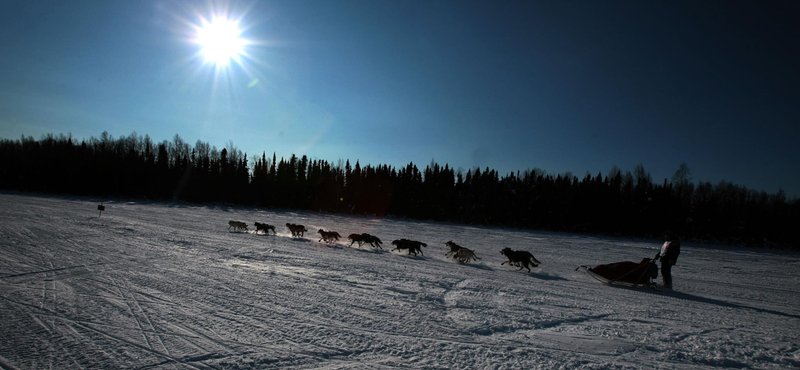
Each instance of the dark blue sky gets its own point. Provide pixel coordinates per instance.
(563, 86)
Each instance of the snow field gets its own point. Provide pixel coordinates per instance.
(166, 286)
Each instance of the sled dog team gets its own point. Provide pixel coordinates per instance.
(520, 259)
(643, 273)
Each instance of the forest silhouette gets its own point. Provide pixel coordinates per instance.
(617, 203)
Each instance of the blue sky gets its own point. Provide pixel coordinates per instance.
(562, 86)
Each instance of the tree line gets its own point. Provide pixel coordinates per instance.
(617, 203)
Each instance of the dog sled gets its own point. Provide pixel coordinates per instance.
(625, 273)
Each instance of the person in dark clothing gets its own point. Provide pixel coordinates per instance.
(669, 257)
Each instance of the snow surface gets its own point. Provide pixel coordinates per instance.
(168, 286)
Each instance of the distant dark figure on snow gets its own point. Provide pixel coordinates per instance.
(413, 246)
(265, 227)
(519, 258)
(669, 257)
(328, 236)
(297, 230)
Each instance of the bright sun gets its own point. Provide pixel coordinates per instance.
(220, 41)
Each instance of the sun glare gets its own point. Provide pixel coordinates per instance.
(220, 41)
(225, 51)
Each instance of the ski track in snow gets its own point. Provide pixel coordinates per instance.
(168, 286)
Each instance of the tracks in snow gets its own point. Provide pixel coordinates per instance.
(154, 286)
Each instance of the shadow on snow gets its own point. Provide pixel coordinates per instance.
(695, 298)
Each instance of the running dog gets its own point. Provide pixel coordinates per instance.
(265, 227)
(413, 246)
(372, 240)
(463, 255)
(237, 225)
(519, 258)
(297, 230)
(453, 248)
(328, 236)
(356, 238)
